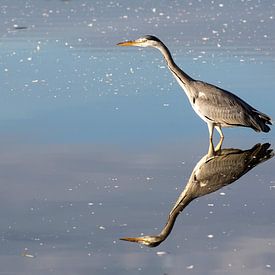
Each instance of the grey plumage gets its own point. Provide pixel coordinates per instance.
(224, 108)
(217, 107)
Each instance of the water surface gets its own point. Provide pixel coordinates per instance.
(98, 142)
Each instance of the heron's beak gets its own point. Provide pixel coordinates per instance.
(128, 43)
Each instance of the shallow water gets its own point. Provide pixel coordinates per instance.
(98, 141)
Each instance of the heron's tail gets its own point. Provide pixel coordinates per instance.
(261, 121)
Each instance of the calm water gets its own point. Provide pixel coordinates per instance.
(98, 142)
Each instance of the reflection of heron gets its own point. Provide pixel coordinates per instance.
(209, 175)
(217, 107)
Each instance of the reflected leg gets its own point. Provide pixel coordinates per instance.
(211, 150)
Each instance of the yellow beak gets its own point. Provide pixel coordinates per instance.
(131, 239)
(128, 43)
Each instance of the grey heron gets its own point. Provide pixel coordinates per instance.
(211, 173)
(217, 107)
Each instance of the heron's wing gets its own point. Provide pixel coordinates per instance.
(223, 107)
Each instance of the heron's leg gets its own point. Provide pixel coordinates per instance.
(210, 129)
(211, 146)
(219, 129)
(219, 145)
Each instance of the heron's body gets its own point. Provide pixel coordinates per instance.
(224, 109)
(217, 107)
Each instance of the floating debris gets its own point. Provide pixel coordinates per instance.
(17, 27)
(161, 253)
(27, 254)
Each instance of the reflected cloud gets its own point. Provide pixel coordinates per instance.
(218, 168)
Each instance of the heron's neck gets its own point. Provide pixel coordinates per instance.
(177, 209)
(181, 76)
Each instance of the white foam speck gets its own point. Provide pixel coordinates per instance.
(161, 253)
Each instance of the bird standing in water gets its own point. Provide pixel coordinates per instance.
(217, 107)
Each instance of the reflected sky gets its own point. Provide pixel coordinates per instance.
(97, 140)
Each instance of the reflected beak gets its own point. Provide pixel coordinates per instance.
(134, 240)
(128, 43)
(140, 240)
(150, 241)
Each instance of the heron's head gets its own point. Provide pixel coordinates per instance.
(144, 41)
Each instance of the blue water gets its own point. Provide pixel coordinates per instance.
(98, 141)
